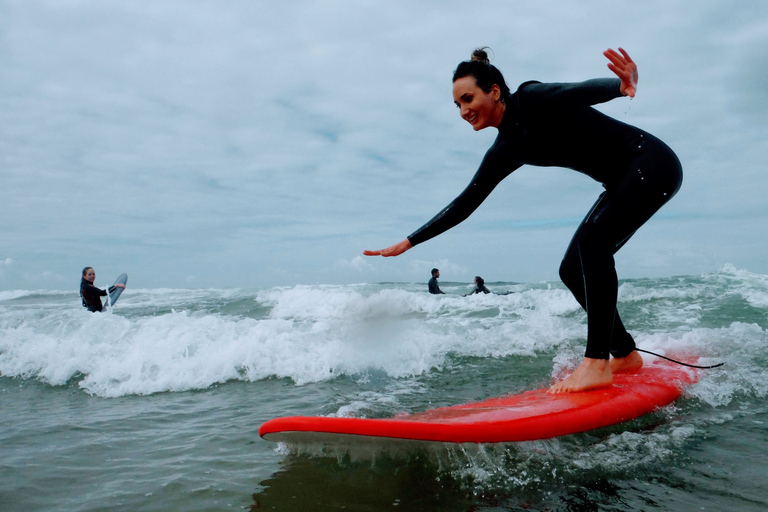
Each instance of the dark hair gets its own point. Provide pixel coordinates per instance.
(86, 270)
(486, 74)
(435, 271)
(480, 281)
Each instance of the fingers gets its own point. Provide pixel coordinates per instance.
(626, 55)
(383, 252)
(620, 62)
(625, 68)
(393, 250)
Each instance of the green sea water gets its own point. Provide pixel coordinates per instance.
(156, 406)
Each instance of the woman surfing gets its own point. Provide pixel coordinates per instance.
(554, 124)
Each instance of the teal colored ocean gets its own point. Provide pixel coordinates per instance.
(156, 405)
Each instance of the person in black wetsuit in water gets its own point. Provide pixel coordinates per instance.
(91, 295)
(479, 287)
(554, 124)
(434, 288)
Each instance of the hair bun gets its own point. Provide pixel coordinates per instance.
(480, 55)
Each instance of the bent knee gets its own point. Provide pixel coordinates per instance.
(570, 270)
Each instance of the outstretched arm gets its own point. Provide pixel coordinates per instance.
(494, 168)
(625, 69)
(587, 93)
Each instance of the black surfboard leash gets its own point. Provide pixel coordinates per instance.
(679, 362)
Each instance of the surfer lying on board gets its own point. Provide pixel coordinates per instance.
(553, 124)
(90, 294)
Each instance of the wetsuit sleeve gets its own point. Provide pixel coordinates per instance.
(493, 169)
(564, 95)
(92, 291)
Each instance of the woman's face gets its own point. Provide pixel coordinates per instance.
(90, 275)
(480, 109)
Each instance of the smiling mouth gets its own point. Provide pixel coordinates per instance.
(472, 119)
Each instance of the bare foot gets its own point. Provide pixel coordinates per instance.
(593, 373)
(627, 364)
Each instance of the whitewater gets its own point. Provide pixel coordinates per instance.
(176, 382)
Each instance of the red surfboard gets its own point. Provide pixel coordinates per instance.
(525, 417)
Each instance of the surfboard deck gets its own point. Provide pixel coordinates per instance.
(115, 294)
(523, 417)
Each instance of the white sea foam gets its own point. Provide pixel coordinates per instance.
(753, 287)
(13, 294)
(9, 295)
(309, 334)
(175, 340)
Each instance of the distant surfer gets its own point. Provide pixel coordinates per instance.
(91, 295)
(479, 286)
(434, 289)
(553, 124)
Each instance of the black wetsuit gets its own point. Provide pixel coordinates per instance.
(433, 287)
(479, 289)
(92, 296)
(554, 125)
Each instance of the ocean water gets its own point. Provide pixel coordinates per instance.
(156, 405)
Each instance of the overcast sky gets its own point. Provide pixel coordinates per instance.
(253, 143)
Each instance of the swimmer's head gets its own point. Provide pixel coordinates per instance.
(479, 281)
(486, 75)
(89, 274)
(435, 272)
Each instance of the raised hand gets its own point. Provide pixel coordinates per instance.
(625, 69)
(392, 250)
